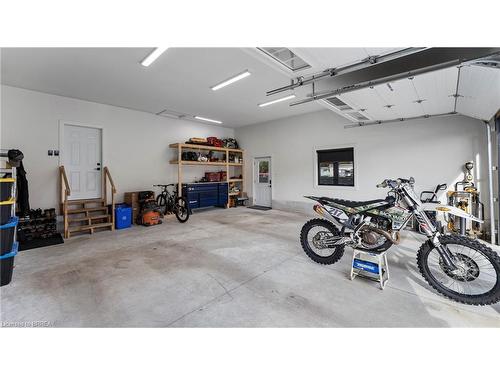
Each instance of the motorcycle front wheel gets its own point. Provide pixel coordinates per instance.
(476, 281)
(316, 237)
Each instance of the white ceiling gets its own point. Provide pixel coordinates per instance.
(181, 78)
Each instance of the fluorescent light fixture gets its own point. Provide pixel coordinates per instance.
(277, 100)
(228, 81)
(153, 56)
(207, 119)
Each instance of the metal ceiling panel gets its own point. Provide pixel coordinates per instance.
(479, 88)
(373, 102)
(366, 99)
(382, 103)
(436, 89)
(402, 98)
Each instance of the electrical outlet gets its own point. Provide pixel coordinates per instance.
(50, 152)
(56, 152)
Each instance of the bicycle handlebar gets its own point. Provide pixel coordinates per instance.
(162, 185)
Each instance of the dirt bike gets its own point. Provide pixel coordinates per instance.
(458, 267)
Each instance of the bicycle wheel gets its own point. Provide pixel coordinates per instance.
(181, 209)
(161, 201)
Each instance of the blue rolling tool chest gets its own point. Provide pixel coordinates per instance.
(210, 194)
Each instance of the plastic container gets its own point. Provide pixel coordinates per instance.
(7, 232)
(123, 216)
(6, 188)
(6, 211)
(7, 265)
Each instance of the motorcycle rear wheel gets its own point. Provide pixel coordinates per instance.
(326, 228)
(477, 279)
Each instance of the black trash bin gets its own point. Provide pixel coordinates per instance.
(6, 185)
(7, 265)
(6, 211)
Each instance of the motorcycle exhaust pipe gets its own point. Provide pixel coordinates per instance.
(387, 235)
(319, 209)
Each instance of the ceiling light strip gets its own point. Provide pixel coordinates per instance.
(277, 101)
(233, 79)
(207, 119)
(149, 59)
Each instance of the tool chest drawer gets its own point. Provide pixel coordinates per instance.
(206, 194)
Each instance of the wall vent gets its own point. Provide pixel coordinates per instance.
(286, 57)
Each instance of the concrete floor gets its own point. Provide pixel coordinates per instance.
(232, 268)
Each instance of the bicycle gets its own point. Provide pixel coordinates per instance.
(170, 202)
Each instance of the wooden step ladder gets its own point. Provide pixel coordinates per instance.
(87, 215)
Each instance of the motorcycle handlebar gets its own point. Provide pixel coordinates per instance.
(395, 183)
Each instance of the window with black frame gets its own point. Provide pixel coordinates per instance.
(336, 167)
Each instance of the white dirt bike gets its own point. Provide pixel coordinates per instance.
(458, 267)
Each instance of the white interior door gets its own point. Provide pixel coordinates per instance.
(82, 159)
(262, 182)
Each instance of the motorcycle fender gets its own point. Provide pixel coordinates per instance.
(336, 213)
(449, 210)
(331, 211)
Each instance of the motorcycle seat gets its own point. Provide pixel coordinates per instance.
(354, 204)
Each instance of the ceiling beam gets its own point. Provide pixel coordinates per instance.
(380, 122)
(370, 60)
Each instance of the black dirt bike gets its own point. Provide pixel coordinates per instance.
(458, 267)
(170, 202)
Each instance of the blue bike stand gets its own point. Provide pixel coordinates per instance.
(372, 266)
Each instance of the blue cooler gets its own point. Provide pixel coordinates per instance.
(123, 216)
(7, 265)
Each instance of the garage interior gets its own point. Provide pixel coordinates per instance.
(244, 135)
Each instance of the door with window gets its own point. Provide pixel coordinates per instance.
(82, 159)
(262, 182)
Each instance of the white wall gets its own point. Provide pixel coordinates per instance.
(135, 144)
(432, 150)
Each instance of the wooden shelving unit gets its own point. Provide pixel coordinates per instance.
(181, 147)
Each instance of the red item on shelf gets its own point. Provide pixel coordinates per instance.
(215, 142)
(212, 176)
